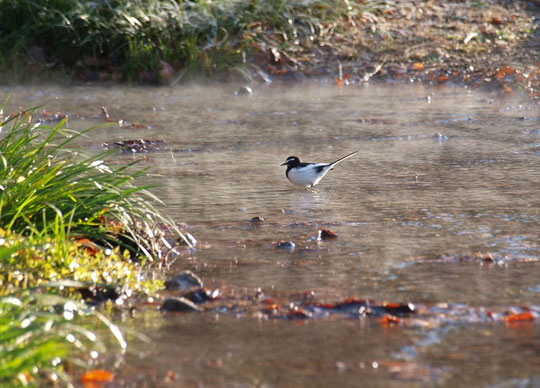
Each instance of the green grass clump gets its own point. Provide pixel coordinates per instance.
(39, 328)
(198, 37)
(68, 222)
(47, 189)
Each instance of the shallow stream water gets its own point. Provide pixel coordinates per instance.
(440, 174)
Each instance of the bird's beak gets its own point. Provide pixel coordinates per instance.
(283, 164)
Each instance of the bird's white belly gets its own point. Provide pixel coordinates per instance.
(305, 177)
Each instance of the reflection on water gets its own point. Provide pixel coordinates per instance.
(456, 173)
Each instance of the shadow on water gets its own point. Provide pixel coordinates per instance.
(441, 175)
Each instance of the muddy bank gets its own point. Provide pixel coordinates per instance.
(489, 45)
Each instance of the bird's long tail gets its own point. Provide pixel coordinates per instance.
(343, 158)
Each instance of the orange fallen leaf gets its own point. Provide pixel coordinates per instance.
(526, 316)
(442, 78)
(507, 90)
(508, 70)
(325, 305)
(390, 319)
(170, 377)
(97, 376)
(89, 246)
(417, 66)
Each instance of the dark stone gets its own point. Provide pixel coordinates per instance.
(95, 295)
(184, 281)
(326, 234)
(202, 295)
(179, 304)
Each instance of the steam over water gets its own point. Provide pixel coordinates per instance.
(439, 172)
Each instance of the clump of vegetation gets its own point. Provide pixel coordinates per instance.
(150, 36)
(39, 328)
(47, 189)
(28, 262)
(68, 223)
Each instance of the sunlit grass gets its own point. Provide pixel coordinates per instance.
(47, 189)
(200, 37)
(39, 328)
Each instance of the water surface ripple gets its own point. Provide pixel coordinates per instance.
(435, 179)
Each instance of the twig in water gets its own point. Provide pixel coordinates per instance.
(367, 76)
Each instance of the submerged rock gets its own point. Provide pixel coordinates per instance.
(184, 281)
(289, 245)
(257, 220)
(439, 137)
(179, 304)
(244, 91)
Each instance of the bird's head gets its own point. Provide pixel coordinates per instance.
(291, 161)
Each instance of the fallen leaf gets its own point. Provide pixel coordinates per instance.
(521, 317)
(506, 90)
(390, 319)
(418, 66)
(89, 246)
(97, 376)
(508, 70)
(170, 377)
(442, 79)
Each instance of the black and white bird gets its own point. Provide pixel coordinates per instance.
(308, 174)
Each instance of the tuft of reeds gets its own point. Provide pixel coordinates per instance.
(47, 189)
